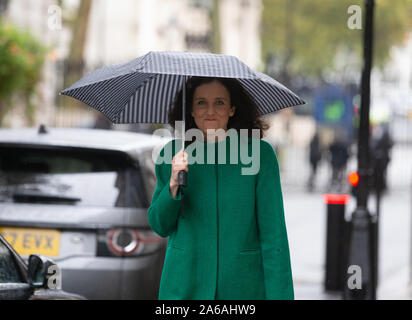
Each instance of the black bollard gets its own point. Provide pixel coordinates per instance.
(335, 241)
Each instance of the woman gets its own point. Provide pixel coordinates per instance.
(232, 242)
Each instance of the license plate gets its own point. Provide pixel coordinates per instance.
(33, 241)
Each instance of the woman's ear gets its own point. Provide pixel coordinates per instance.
(232, 110)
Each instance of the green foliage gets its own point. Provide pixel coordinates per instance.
(21, 61)
(305, 36)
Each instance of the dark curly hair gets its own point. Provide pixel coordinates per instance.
(246, 113)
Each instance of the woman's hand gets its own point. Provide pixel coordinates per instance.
(179, 163)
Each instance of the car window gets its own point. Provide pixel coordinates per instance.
(75, 177)
(8, 267)
(148, 166)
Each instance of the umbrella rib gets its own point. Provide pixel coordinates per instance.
(113, 69)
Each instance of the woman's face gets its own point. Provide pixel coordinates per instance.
(212, 107)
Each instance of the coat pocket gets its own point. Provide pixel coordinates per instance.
(177, 248)
(246, 276)
(175, 244)
(250, 251)
(172, 284)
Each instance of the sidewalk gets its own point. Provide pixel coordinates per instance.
(305, 215)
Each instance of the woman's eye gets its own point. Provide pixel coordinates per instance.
(220, 102)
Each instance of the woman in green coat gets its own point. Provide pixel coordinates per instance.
(232, 241)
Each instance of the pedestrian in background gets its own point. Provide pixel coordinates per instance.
(315, 155)
(339, 155)
(381, 145)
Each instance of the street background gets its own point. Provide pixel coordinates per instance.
(306, 222)
(312, 47)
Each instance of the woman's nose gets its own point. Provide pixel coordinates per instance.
(210, 109)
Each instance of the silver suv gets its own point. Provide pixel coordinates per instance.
(80, 197)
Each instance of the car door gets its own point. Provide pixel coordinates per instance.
(13, 285)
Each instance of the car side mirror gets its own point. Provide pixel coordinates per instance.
(38, 270)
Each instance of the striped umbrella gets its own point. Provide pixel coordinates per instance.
(143, 90)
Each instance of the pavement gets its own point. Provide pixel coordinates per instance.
(305, 215)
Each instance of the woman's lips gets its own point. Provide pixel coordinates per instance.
(210, 119)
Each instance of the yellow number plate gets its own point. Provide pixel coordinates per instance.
(33, 241)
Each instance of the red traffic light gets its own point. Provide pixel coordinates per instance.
(353, 178)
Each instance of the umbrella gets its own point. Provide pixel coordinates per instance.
(143, 90)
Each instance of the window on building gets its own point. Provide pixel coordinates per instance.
(3, 6)
(201, 4)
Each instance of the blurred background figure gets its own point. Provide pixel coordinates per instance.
(339, 156)
(315, 155)
(381, 145)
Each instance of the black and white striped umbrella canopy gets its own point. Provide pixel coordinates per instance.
(143, 90)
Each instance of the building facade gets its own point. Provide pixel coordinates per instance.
(119, 31)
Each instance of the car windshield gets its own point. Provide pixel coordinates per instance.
(69, 176)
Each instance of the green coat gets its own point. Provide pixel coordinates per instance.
(232, 242)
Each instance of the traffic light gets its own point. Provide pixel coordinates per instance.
(353, 179)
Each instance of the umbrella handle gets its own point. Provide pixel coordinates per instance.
(182, 183)
(182, 178)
